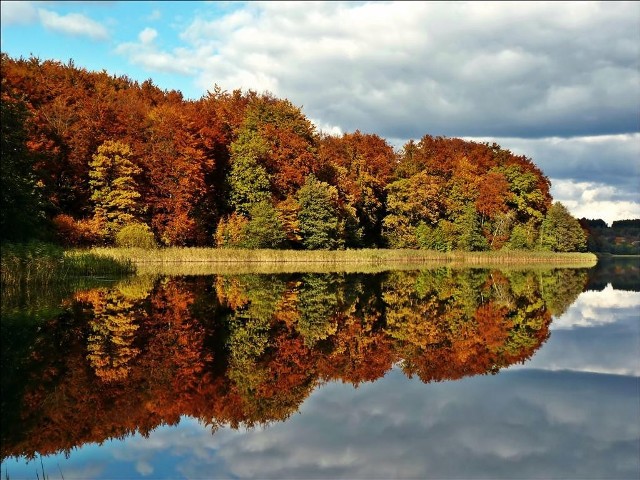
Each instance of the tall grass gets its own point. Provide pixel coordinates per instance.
(176, 260)
(38, 263)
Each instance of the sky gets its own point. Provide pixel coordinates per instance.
(558, 82)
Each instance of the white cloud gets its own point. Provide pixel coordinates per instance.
(18, 13)
(403, 69)
(148, 35)
(595, 200)
(326, 128)
(593, 308)
(147, 54)
(74, 24)
(608, 211)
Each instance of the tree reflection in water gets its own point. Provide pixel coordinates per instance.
(249, 349)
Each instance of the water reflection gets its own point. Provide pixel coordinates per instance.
(248, 350)
(622, 273)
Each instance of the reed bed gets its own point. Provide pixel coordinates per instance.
(238, 268)
(514, 257)
(198, 261)
(38, 263)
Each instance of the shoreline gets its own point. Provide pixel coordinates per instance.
(199, 259)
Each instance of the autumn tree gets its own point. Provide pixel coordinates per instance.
(231, 231)
(115, 189)
(360, 166)
(493, 193)
(409, 202)
(432, 237)
(288, 210)
(216, 119)
(561, 232)
(278, 137)
(204, 164)
(529, 191)
(21, 209)
(469, 233)
(441, 180)
(177, 173)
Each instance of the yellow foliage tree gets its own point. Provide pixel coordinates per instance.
(114, 188)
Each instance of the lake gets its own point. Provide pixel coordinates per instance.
(441, 373)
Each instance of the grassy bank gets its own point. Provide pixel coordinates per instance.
(212, 260)
(42, 264)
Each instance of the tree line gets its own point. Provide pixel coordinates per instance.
(86, 155)
(621, 238)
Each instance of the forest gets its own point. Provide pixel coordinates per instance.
(621, 238)
(93, 159)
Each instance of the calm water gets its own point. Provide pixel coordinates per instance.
(433, 374)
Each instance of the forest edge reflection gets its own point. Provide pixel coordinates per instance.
(247, 350)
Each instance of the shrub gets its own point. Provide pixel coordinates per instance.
(264, 230)
(136, 235)
(75, 233)
(432, 238)
(231, 231)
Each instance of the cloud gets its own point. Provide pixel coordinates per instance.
(403, 69)
(581, 206)
(147, 35)
(146, 53)
(73, 24)
(598, 333)
(518, 424)
(18, 13)
(326, 127)
(593, 176)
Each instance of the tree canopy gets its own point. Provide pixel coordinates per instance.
(92, 152)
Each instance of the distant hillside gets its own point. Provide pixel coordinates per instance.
(621, 238)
